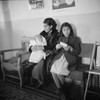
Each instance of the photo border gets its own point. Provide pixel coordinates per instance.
(36, 4)
(63, 6)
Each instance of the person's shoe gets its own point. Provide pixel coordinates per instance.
(39, 85)
(61, 94)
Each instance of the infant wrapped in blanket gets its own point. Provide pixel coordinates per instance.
(37, 54)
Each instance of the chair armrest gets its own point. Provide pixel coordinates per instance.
(22, 57)
(2, 56)
(9, 50)
(22, 54)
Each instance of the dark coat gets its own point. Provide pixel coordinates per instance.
(71, 56)
(51, 38)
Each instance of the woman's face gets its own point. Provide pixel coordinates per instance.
(47, 28)
(66, 31)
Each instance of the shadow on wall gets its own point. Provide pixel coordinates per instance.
(58, 25)
(7, 39)
(75, 32)
(74, 29)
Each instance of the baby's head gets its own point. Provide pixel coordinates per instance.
(39, 37)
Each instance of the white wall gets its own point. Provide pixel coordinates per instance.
(16, 20)
(19, 9)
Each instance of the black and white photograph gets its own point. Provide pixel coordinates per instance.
(35, 4)
(49, 49)
(60, 4)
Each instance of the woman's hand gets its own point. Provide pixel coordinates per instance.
(58, 46)
(48, 52)
(34, 48)
(68, 48)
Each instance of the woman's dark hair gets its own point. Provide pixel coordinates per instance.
(66, 24)
(50, 21)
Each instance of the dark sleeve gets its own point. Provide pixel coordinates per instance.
(44, 35)
(59, 40)
(54, 39)
(76, 48)
(30, 50)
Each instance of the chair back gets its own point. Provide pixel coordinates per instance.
(25, 43)
(88, 52)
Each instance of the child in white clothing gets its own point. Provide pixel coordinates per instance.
(37, 45)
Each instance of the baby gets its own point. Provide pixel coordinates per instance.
(37, 54)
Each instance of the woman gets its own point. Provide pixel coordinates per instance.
(68, 50)
(51, 35)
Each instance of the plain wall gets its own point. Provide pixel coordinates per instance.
(17, 20)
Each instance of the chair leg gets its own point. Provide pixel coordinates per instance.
(86, 89)
(82, 90)
(3, 72)
(20, 76)
(21, 83)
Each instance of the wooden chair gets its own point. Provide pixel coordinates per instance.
(13, 67)
(93, 69)
(87, 58)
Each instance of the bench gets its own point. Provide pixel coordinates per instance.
(87, 61)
